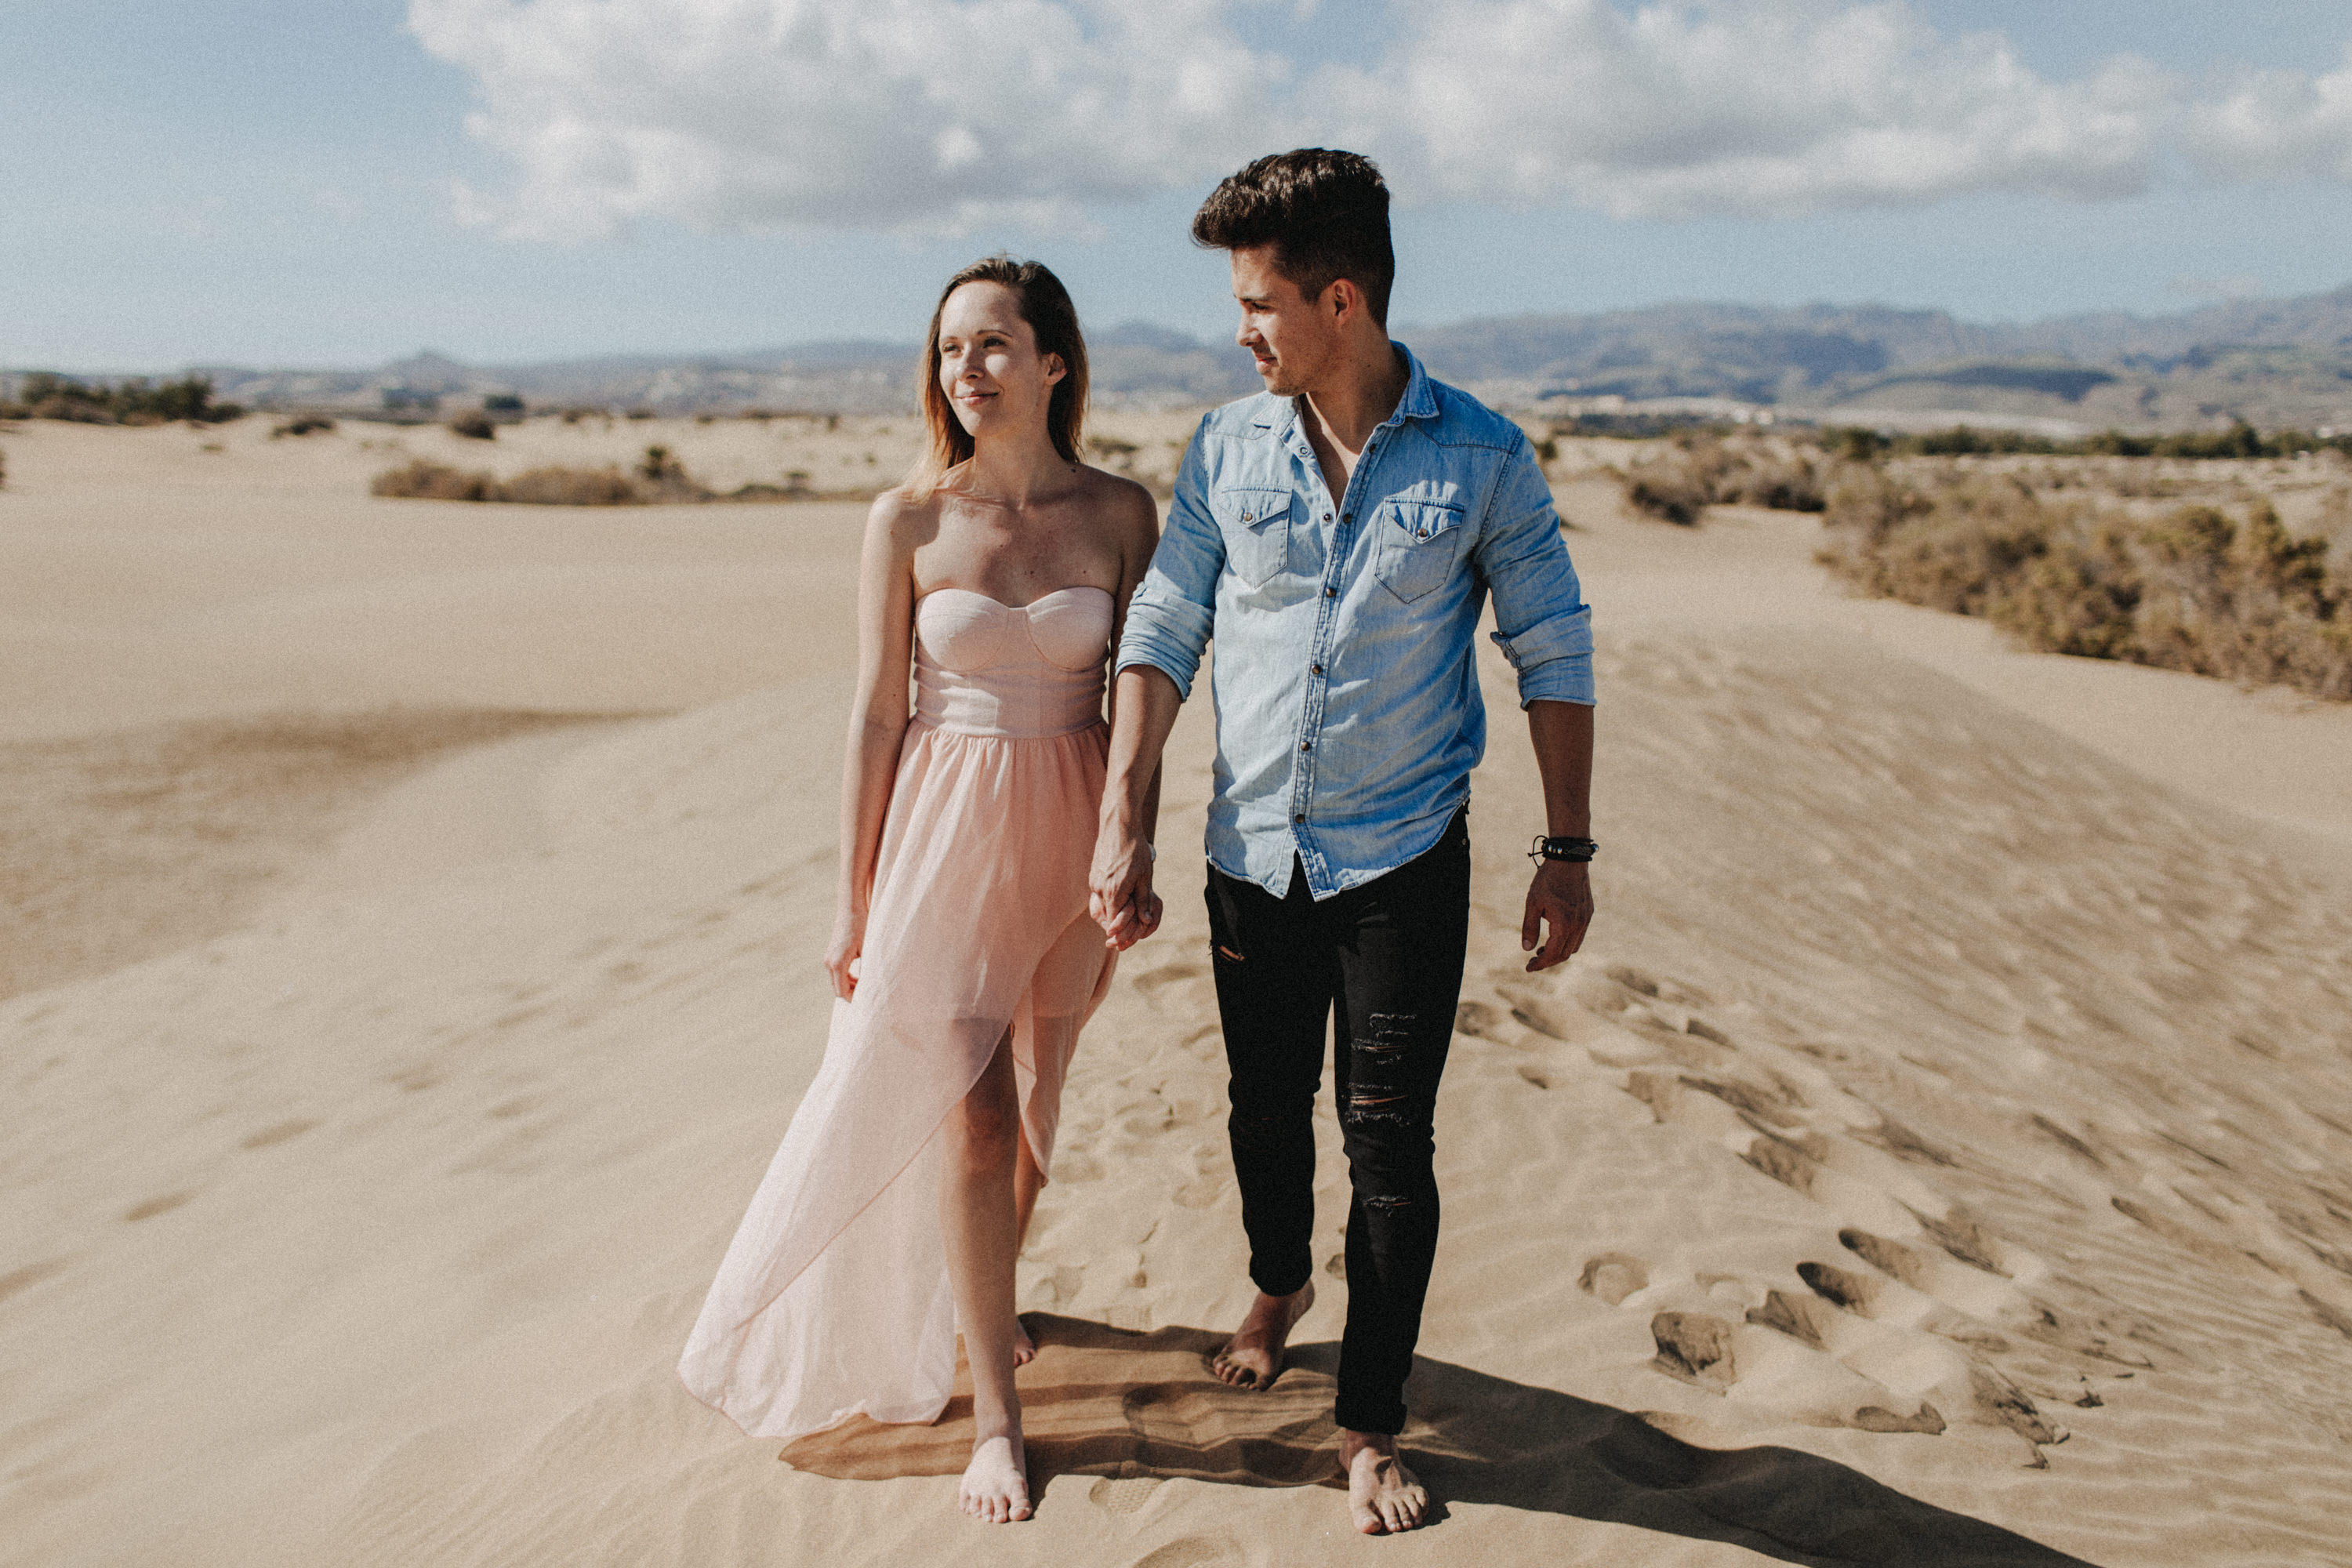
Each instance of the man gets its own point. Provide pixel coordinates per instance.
(1339, 535)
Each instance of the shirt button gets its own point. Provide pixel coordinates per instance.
(1327, 516)
(1306, 745)
(1300, 817)
(1347, 517)
(1330, 592)
(1314, 669)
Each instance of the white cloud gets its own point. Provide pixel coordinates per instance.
(2278, 125)
(1767, 107)
(877, 114)
(935, 116)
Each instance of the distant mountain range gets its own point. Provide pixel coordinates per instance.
(2275, 362)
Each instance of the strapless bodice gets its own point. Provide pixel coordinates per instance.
(1021, 672)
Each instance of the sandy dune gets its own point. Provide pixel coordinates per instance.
(1938, 1158)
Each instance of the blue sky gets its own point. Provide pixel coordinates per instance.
(288, 181)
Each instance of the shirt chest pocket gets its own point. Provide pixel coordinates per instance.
(1255, 523)
(1417, 545)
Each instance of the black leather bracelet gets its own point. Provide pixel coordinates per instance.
(1578, 850)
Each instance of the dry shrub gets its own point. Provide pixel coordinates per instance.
(1701, 471)
(422, 481)
(571, 487)
(2195, 589)
(474, 427)
(659, 478)
(303, 426)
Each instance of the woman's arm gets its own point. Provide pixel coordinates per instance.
(878, 720)
(1139, 537)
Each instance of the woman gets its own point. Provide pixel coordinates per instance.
(962, 958)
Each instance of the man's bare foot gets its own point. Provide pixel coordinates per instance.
(996, 1483)
(1383, 1498)
(1024, 1348)
(1253, 1356)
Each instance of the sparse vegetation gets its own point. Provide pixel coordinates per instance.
(132, 401)
(2213, 590)
(1706, 470)
(421, 480)
(659, 478)
(303, 426)
(474, 427)
(2241, 440)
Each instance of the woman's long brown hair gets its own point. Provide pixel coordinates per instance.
(1045, 305)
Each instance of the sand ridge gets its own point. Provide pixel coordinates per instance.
(1933, 1160)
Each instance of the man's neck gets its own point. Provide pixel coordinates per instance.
(1363, 391)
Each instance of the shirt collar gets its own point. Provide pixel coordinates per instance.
(1417, 401)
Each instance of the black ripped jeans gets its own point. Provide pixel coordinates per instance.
(1384, 960)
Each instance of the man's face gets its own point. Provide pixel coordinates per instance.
(1293, 337)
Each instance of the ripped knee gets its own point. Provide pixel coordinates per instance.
(1368, 1111)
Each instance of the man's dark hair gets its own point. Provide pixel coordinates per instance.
(1325, 213)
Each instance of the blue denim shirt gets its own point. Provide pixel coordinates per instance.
(1348, 716)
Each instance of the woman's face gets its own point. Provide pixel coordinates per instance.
(989, 368)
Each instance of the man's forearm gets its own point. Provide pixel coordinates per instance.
(1144, 709)
(1562, 733)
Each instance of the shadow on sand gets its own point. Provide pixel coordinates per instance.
(1101, 1400)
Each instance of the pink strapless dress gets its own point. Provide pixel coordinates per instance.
(833, 1301)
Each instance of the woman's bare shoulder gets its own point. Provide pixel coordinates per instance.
(904, 518)
(1121, 501)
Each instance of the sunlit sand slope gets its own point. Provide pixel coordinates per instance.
(1930, 1162)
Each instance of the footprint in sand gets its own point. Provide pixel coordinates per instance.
(1478, 1020)
(1122, 1494)
(1694, 1347)
(32, 1274)
(1152, 980)
(278, 1134)
(1191, 1551)
(1614, 1275)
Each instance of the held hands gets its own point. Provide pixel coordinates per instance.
(1560, 902)
(842, 952)
(1119, 895)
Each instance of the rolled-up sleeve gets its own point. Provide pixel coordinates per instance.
(1542, 623)
(1168, 617)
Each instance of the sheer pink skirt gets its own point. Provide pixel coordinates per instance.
(833, 1299)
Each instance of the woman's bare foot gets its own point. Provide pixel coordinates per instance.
(1024, 1348)
(996, 1483)
(1253, 1354)
(1383, 1498)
